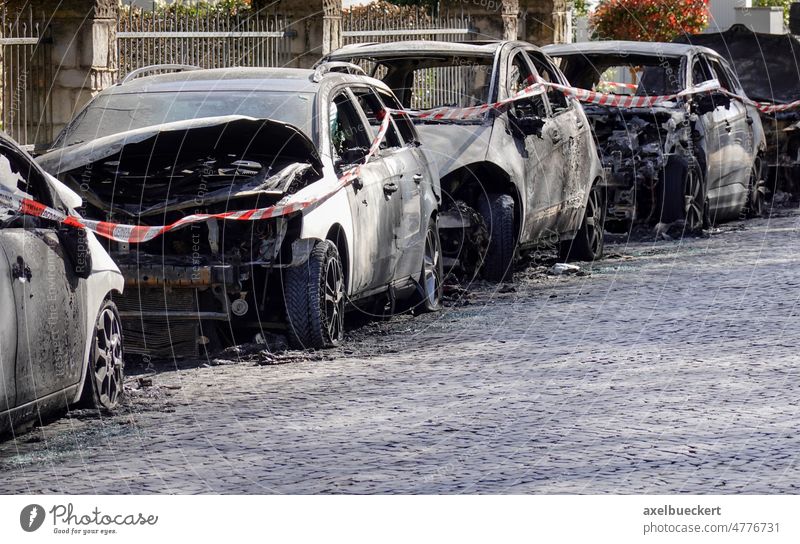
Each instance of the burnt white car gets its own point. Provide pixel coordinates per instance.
(156, 148)
(530, 169)
(60, 333)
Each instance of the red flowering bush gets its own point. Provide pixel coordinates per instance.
(648, 20)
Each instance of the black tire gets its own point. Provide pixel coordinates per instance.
(497, 211)
(683, 194)
(314, 298)
(429, 285)
(756, 190)
(589, 241)
(105, 372)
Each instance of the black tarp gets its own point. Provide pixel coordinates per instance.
(768, 65)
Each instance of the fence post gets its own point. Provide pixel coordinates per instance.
(332, 26)
(83, 58)
(510, 11)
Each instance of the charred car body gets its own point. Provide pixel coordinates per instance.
(60, 334)
(530, 169)
(155, 149)
(696, 158)
(768, 66)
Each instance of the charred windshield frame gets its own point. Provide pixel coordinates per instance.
(596, 64)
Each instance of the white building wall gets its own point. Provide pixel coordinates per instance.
(723, 13)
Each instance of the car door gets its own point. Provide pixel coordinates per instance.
(544, 160)
(47, 295)
(400, 190)
(738, 143)
(716, 137)
(8, 334)
(374, 206)
(417, 179)
(572, 148)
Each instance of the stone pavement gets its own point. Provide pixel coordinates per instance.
(671, 368)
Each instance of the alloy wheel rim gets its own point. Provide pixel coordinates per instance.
(108, 362)
(693, 202)
(756, 188)
(592, 210)
(334, 300)
(432, 277)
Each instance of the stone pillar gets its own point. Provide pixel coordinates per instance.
(510, 14)
(316, 24)
(83, 51)
(546, 21)
(331, 26)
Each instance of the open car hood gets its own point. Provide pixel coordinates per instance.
(288, 141)
(768, 65)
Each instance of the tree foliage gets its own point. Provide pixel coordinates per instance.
(649, 20)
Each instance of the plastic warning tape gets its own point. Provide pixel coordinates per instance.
(135, 234)
(141, 233)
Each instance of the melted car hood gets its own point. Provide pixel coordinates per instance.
(768, 65)
(289, 140)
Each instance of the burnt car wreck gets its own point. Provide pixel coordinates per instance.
(158, 149)
(515, 177)
(204, 271)
(694, 158)
(768, 66)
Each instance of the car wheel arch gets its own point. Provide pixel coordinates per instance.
(338, 236)
(470, 181)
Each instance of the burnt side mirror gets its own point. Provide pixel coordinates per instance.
(706, 103)
(75, 243)
(351, 156)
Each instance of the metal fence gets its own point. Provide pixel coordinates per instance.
(213, 39)
(27, 76)
(445, 85)
(417, 23)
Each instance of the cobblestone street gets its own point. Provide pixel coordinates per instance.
(670, 367)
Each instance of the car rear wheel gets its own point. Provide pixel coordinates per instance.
(497, 211)
(314, 298)
(757, 190)
(103, 387)
(588, 243)
(432, 274)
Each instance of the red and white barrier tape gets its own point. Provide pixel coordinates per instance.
(135, 234)
(139, 233)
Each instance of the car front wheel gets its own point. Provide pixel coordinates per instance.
(314, 297)
(103, 386)
(497, 211)
(588, 242)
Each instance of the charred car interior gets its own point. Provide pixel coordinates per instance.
(694, 158)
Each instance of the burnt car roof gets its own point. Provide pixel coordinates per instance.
(423, 47)
(626, 47)
(226, 79)
(768, 65)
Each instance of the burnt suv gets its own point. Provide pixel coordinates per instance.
(530, 169)
(695, 159)
(155, 149)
